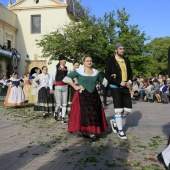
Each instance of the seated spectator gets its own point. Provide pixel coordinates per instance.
(150, 95)
(141, 78)
(148, 89)
(134, 78)
(165, 96)
(160, 79)
(163, 89)
(134, 90)
(167, 77)
(142, 89)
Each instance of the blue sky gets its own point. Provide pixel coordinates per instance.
(152, 16)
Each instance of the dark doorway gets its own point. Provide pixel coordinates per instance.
(10, 70)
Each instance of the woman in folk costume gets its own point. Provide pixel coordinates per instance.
(33, 88)
(37, 72)
(27, 86)
(87, 113)
(44, 100)
(15, 94)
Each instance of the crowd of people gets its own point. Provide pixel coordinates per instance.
(51, 94)
(81, 88)
(155, 89)
(4, 47)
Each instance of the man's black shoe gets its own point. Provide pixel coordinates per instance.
(44, 115)
(161, 161)
(63, 120)
(151, 101)
(56, 116)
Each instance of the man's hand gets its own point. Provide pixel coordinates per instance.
(128, 84)
(51, 91)
(113, 75)
(123, 83)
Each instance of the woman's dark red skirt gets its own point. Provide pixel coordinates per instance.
(87, 113)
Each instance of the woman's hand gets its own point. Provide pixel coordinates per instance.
(79, 87)
(113, 75)
(36, 85)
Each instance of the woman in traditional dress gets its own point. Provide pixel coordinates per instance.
(33, 88)
(37, 72)
(44, 100)
(87, 113)
(15, 94)
(27, 86)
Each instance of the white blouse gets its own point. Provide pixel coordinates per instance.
(43, 80)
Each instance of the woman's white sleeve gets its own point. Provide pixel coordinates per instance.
(67, 80)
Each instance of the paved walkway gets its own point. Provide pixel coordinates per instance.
(29, 142)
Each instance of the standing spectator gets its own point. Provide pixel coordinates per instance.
(3, 81)
(87, 113)
(3, 86)
(120, 66)
(61, 88)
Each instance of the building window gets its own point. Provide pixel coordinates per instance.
(35, 24)
(8, 44)
(36, 1)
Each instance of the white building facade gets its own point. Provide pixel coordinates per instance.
(28, 21)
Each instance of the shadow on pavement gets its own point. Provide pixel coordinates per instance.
(166, 129)
(132, 120)
(81, 154)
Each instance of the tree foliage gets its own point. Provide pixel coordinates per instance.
(158, 50)
(95, 37)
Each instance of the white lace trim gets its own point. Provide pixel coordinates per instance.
(67, 80)
(80, 70)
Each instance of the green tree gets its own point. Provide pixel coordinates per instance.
(158, 50)
(94, 36)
